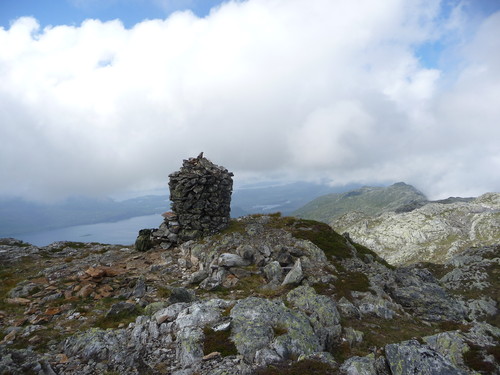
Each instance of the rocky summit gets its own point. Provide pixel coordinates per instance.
(267, 295)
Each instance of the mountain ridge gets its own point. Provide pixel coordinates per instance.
(433, 232)
(370, 200)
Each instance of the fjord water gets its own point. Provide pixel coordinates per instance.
(123, 232)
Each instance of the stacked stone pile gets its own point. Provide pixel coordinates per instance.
(201, 198)
(201, 202)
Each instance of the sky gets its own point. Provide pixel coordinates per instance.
(101, 97)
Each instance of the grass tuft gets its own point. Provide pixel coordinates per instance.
(218, 341)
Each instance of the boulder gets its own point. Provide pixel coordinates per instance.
(295, 275)
(412, 358)
(144, 241)
(271, 330)
(321, 312)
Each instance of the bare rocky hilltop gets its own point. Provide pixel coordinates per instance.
(268, 295)
(433, 232)
(401, 225)
(262, 294)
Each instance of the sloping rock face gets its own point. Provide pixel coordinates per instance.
(433, 233)
(226, 304)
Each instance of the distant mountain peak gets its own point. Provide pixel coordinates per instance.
(368, 199)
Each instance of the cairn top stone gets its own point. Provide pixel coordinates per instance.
(198, 165)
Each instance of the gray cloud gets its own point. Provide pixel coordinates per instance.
(302, 89)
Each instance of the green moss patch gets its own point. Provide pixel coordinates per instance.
(475, 358)
(320, 234)
(349, 282)
(218, 341)
(280, 330)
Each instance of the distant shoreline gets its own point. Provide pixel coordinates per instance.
(122, 232)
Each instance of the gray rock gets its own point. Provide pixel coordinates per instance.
(169, 313)
(254, 321)
(419, 293)
(295, 275)
(198, 276)
(359, 366)
(154, 307)
(347, 309)
(140, 288)
(121, 308)
(450, 344)
(23, 361)
(181, 295)
(266, 356)
(321, 312)
(352, 336)
(23, 289)
(232, 260)
(323, 357)
(189, 350)
(370, 304)
(412, 358)
(273, 271)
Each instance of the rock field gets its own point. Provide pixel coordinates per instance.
(268, 295)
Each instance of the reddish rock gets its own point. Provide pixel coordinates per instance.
(53, 311)
(86, 291)
(96, 273)
(20, 322)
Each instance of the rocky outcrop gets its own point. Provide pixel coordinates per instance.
(433, 233)
(266, 295)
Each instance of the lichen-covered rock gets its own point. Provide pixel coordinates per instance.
(352, 336)
(412, 358)
(143, 241)
(260, 324)
(23, 361)
(370, 304)
(189, 346)
(359, 366)
(321, 312)
(273, 272)
(418, 292)
(451, 345)
(95, 345)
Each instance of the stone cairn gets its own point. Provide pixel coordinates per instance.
(201, 203)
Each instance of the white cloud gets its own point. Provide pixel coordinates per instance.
(304, 88)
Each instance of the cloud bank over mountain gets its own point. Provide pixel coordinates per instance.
(299, 89)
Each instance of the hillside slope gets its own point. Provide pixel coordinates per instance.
(368, 200)
(433, 232)
(267, 296)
